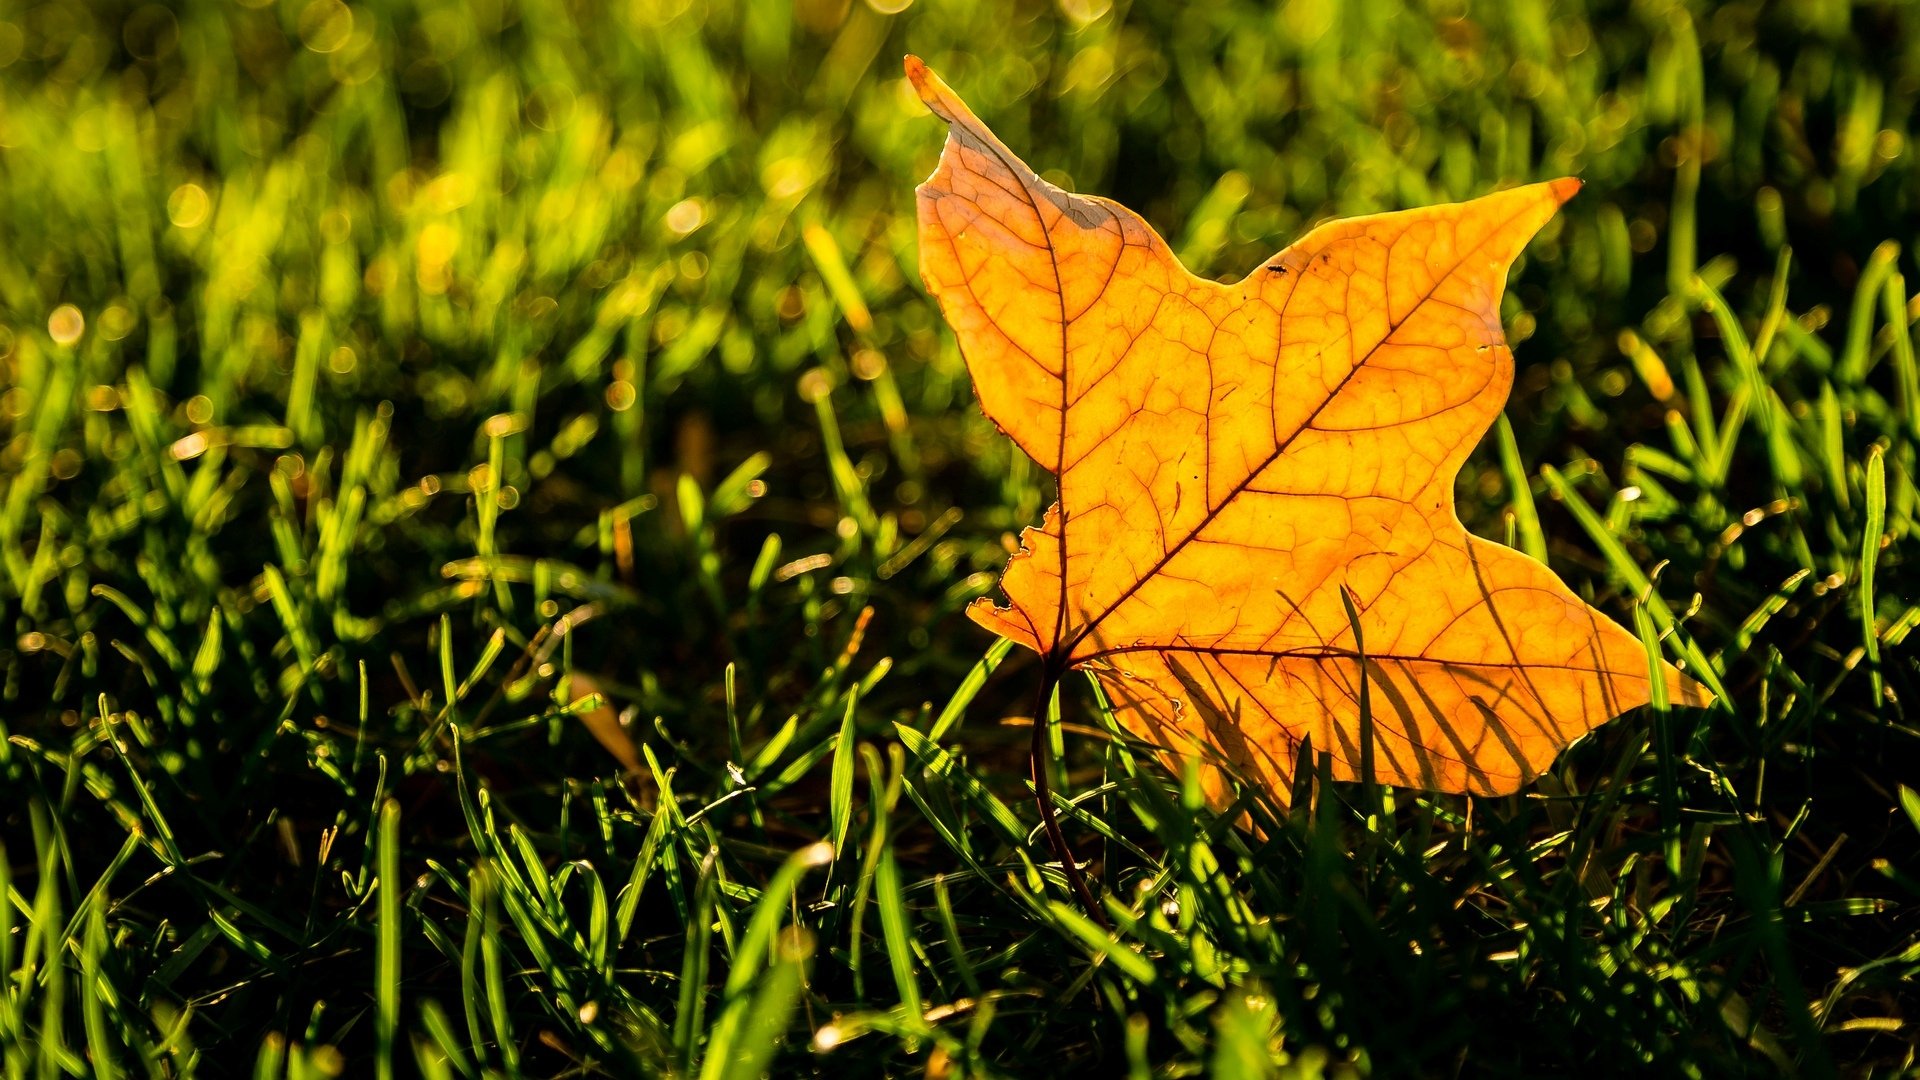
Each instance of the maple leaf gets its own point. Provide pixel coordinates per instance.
(1232, 457)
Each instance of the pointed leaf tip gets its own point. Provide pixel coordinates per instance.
(932, 88)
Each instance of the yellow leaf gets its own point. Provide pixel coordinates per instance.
(1231, 456)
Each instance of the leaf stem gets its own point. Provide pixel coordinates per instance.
(1043, 796)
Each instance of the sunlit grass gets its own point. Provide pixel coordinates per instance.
(411, 414)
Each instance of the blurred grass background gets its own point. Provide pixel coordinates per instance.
(414, 416)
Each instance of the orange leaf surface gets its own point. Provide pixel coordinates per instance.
(1231, 456)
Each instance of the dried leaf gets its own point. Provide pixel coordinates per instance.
(603, 723)
(1231, 456)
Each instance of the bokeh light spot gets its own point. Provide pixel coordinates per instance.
(66, 324)
(685, 216)
(325, 25)
(189, 206)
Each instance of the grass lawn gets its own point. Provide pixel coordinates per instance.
(486, 503)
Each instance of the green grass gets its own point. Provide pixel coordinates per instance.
(458, 402)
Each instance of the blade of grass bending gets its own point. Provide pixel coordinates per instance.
(1073, 808)
(163, 832)
(1833, 454)
(439, 1029)
(1662, 738)
(598, 946)
(1751, 627)
(1120, 742)
(956, 707)
(688, 1017)
(1853, 356)
(752, 1029)
(950, 831)
(1775, 422)
(472, 990)
(757, 942)
(52, 1047)
(895, 928)
(1369, 784)
(386, 988)
(99, 890)
(1719, 464)
(1869, 561)
(1636, 579)
(939, 763)
(883, 793)
(449, 682)
(1526, 517)
(1103, 943)
(1905, 379)
(494, 966)
(1682, 236)
(840, 788)
(1748, 360)
(733, 713)
(950, 931)
(96, 991)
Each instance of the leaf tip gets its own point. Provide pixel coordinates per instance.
(1565, 188)
(1684, 689)
(1001, 621)
(928, 85)
(935, 93)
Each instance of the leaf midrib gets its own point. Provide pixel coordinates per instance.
(1280, 448)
